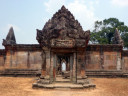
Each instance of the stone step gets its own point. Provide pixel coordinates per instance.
(21, 69)
(59, 85)
(63, 85)
(104, 73)
(62, 79)
(58, 75)
(20, 72)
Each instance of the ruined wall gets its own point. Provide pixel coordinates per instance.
(125, 60)
(98, 57)
(92, 60)
(23, 57)
(80, 59)
(2, 58)
(103, 57)
(111, 60)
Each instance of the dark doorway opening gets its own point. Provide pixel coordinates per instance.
(63, 63)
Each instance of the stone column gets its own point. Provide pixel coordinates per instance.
(11, 53)
(47, 63)
(71, 67)
(16, 58)
(51, 68)
(74, 68)
(68, 65)
(43, 55)
(118, 61)
(54, 67)
(101, 58)
(123, 63)
(28, 61)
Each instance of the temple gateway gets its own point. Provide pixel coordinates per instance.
(63, 55)
(63, 44)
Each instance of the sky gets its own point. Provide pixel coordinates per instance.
(25, 16)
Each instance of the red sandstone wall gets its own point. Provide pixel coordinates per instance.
(125, 60)
(110, 60)
(80, 62)
(35, 60)
(125, 63)
(32, 60)
(23, 59)
(92, 60)
(1, 62)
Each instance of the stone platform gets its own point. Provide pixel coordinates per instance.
(63, 83)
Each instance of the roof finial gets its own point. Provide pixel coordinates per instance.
(10, 39)
(117, 38)
(63, 7)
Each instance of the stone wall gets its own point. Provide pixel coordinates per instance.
(125, 60)
(111, 59)
(92, 60)
(103, 57)
(22, 57)
(98, 57)
(2, 58)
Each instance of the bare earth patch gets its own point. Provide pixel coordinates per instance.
(19, 86)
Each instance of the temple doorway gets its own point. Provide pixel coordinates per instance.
(63, 64)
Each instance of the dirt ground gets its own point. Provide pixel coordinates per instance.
(19, 86)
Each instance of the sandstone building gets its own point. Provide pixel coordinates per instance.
(62, 41)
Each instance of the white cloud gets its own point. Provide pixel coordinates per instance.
(53, 5)
(122, 3)
(83, 13)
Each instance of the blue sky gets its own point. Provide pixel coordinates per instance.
(28, 15)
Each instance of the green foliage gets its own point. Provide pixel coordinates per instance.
(103, 32)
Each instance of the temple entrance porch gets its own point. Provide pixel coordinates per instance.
(63, 43)
(62, 70)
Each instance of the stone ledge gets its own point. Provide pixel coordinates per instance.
(63, 85)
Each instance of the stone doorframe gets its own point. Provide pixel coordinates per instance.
(60, 59)
(73, 69)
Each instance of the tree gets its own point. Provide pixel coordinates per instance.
(104, 31)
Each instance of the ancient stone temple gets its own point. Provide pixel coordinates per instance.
(63, 57)
(63, 43)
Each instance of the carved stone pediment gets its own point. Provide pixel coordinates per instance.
(62, 30)
(62, 40)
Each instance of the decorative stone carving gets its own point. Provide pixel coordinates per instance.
(117, 38)
(63, 26)
(10, 39)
